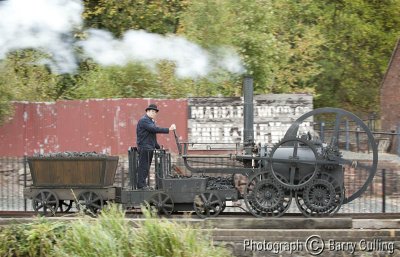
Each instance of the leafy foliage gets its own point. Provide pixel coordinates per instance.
(167, 238)
(360, 38)
(35, 239)
(27, 78)
(5, 98)
(108, 235)
(118, 16)
(336, 50)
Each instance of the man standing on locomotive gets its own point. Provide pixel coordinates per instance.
(146, 140)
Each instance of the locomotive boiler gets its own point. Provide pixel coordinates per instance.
(315, 164)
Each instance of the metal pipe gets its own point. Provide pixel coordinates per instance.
(248, 115)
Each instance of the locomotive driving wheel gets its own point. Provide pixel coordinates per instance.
(323, 197)
(208, 205)
(89, 202)
(264, 197)
(45, 201)
(162, 203)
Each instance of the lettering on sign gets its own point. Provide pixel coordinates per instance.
(216, 120)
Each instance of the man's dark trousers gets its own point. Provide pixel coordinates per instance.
(145, 159)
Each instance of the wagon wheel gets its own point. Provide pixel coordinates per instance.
(162, 203)
(65, 205)
(208, 205)
(264, 197)
(343, 152)
(45, 201)
(89, 202)
(323, 197)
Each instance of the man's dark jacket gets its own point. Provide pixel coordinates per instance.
(146, 131)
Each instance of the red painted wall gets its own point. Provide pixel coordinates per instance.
(103, 125)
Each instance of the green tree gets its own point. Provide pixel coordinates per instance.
(23, 78)
(360, 37)
(131, 80)
(336, 49)
(5, 98)
(118, 16)
(300, 45)
(27, 78)
(274, 38)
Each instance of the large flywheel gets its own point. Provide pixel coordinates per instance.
(349, 143)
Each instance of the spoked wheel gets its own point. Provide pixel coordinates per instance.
(89, 202)
(349, 144)
(45, 202)
(323, 197)
(208, 205)
(264, 197)
(65, 205)
(162, 203)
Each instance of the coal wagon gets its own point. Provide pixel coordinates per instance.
(59, 181)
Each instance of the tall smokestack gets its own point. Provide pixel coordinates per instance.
(248, 115)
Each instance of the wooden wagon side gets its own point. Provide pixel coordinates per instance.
(73, 172)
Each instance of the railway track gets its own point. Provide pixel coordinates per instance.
(137, 214)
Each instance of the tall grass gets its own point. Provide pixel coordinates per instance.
(167, 238)
(34, 239)
(109, 235)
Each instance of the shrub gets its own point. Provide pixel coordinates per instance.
(34, 239)
(109, 235)
(162, 237)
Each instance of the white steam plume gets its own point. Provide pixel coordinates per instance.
(41, 24)
(48, 25)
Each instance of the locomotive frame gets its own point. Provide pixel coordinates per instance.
(299, 167)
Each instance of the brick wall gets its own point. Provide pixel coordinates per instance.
(390, 95)
(104, 125)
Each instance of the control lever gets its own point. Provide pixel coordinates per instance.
(177, 143)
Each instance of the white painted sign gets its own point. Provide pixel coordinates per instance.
(217, 120)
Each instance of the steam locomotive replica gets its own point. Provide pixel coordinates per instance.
(316, 174)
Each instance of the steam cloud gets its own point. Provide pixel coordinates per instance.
(49, 25)
(41, 24)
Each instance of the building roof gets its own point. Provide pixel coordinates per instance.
(396, 52)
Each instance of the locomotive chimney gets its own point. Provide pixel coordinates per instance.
(248, 115)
